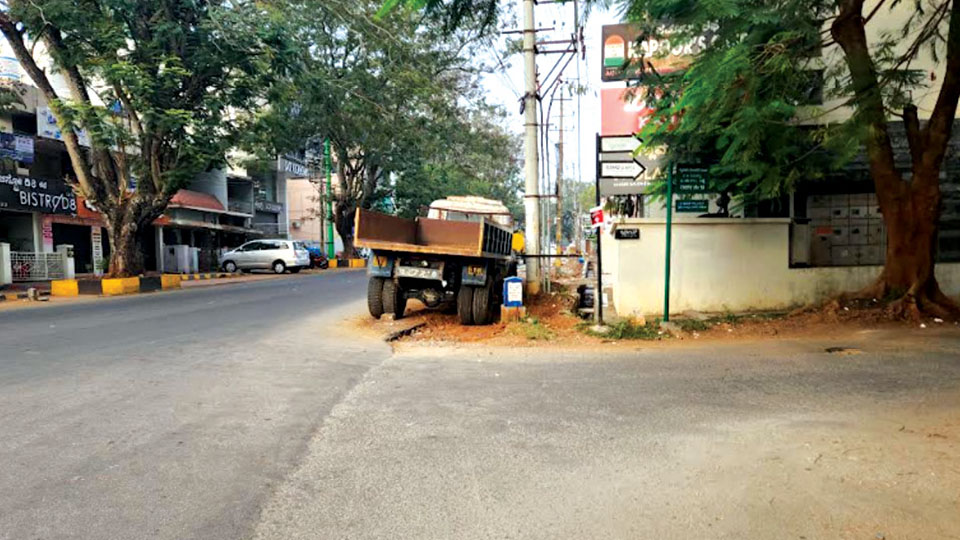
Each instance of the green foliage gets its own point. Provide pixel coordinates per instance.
(471, 156)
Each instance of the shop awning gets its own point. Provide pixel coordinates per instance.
(165, 221)
(195, 200)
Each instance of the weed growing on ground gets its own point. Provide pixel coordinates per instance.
(625, 329)
(693, 325)
(532, 329)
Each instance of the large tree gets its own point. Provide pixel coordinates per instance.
(158, 86)
(470, 154)
(378, 88)
(744, 101)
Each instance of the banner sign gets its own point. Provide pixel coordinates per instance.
(18, 147)
(34, 195)
(596, 217)
(48, 128)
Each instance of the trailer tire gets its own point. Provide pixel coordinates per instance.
(375, 296)
(482, 303)
(394, 301)
(465, 305)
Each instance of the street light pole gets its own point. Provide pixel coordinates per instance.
(329, 166)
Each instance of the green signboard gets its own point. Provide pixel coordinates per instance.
(691, 179)
(699, 206)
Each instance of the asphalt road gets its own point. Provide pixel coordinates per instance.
(246, 411)
(169, 415)
(775, 439)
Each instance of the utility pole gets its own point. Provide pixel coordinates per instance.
(531, 164)
(560, 181)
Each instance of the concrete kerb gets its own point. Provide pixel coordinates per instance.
(136, 285)
(348, 263)
(114, 286)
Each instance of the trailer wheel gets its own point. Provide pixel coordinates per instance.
(375, 297)
(394, 301)
(465, 305)
(482, 303)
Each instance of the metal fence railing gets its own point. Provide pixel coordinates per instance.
(30, 266)
(272, 230)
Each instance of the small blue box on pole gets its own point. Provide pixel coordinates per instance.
(513, 292)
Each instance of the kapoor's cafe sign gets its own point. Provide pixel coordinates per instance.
(627, 55)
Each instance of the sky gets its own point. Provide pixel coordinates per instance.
(505, 86)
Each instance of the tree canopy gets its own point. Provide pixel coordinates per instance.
(159, 87)
(397, 96)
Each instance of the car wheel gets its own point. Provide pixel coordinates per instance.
(394, 301)
(482, 312)
(295, 270)
(465, 305)
(279, 267)
(375, 297)
(230, 267)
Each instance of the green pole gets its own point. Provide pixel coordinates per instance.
(329, 166)
(666, 270)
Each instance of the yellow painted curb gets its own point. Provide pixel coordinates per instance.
(64, 287)
(117, 286)
(170, 281)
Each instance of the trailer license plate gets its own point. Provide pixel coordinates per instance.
(419, 273)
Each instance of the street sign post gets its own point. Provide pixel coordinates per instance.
(697, 206)
(691, 179)
(620, 171)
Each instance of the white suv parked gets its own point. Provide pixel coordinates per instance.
(276, 255)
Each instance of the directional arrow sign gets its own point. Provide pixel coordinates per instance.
(619, 143)
(616, 156)
(621, 169)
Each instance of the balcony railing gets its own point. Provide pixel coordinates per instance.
(272, 230)
(240, 207)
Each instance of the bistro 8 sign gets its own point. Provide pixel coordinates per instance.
(34, 195)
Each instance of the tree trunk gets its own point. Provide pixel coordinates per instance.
(126, 253)
(343, 219)
(912, 215)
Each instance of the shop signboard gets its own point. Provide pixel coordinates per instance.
(9, 68)
(268, 206)
(36, 195)
(96, 240)
(628, 233)
(627, 54)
